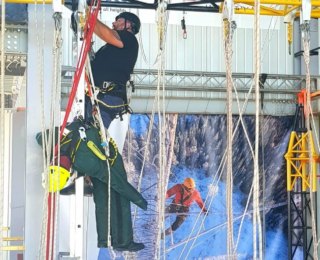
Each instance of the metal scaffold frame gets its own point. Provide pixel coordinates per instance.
(278, 91)
(216, 81)
(301, 185)
(300, 228)
(302, 159)
(282, 88)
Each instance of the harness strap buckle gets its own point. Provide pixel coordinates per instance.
(108, 86)
(82, 132)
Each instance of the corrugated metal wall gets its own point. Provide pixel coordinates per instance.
(203, 49)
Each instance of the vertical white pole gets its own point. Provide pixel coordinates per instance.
(37, 52)
(77, 210)
(7, 174)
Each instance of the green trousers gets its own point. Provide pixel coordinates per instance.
(122, 192)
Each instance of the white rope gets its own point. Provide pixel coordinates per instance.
(49, 147)
(268, 39)
(163, 176)
(215, 179)
(219, 226)
(46, 151)
(2, 123)
(143, 53)
(109, 206)
(56, 89)
(222, 165)
(317, 145)
(246, 134)
(262, 202)
(105, 137)
(163, 166)
(48, 139)
(146, 152)
(252, 154)
(247, 204)
(229, 179)
(162, 25)
(256, 175)
(306, 55)
(223, 161)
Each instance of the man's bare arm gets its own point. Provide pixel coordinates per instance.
(107, 34)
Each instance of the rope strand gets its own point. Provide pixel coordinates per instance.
(2, 123)
(257, 232)
(306, 55)
(229, 179)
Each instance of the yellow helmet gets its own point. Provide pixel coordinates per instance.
(58, 177)
(189, 183)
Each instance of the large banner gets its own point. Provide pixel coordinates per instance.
(166, 152)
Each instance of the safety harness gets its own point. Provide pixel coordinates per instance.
(182, 200)
(117, 90)
(75, 134)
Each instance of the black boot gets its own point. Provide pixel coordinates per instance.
(168, 231)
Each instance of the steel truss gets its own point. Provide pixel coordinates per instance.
(302, 159)
(216, 81)
(282, 88)
(277, 91)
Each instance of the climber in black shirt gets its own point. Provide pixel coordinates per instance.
(112, 65)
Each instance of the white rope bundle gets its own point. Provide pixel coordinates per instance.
(240, 120)
(49, 140)
(306, 56)
(229, 180)
(160, 101)
(46, 141)
(217, 177)
(56, 103)
(316, 241)
(256, 175)
(105, 136)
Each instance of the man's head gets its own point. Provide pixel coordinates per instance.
(189, 183)
(127, 21)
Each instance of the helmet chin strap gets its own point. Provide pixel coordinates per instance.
(125, 24)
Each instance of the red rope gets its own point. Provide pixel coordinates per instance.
(50, 225)
(86, 44)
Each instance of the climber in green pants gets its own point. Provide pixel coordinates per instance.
(82, 145)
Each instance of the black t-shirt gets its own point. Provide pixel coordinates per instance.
(115, 64)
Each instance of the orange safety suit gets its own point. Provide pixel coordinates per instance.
(181, 203)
